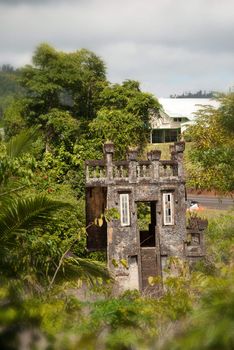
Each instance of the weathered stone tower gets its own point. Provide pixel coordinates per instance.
(134, 254)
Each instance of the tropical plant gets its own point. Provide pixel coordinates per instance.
(24, 225)
(212, 156)
(211, 324)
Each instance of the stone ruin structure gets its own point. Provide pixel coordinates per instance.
(134, 253)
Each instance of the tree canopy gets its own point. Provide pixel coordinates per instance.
(68, 81)
(124, 116)
(212, 154)
(9, 86)
(68, 95)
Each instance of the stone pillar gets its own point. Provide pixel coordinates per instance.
(173, 152)
(108, 149)
(154, 156)
(179, 149)
(151, 136)
(132, 158)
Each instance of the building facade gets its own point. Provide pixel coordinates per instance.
(165, 128)
(175, 116)
(136, 253)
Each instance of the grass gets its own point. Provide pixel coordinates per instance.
(197, 180)
(215, 213)
(164, 148)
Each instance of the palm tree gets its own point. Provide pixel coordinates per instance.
(19, 217)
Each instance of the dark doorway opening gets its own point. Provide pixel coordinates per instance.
(95, 207)
(146, 222)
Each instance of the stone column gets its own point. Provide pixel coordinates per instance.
(154, 156)
(179, 149)
(132, 158)
(173, 152)
(108, 149)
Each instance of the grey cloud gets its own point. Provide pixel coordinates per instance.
(29, 2)
(167, 70)
(176, 42)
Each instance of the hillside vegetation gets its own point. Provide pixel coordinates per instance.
(53, 293)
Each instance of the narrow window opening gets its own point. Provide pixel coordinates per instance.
(132, 260)
(168, 209)
(124, 209)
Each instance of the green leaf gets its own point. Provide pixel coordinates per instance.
(23, 214)
(21, 143)
(124, 263)
(114, 263)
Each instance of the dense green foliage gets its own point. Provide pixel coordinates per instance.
(77, 109)
(9, 86)
(124, 108)
(55, 294)
(68, 81)
(212, 154)
(195, 312)
(41, 252)
(8, 81)
(211, 323)
(35, 242)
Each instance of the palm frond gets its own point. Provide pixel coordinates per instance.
(22, 214)
(10, 189)
(21, 143)
(75, 267)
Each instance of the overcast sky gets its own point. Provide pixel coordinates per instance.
(170, 46)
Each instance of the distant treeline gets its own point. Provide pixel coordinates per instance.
(7, 68)
(8, 80)
(198, 94)
(9, 86)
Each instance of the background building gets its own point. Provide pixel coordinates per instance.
(176, 115)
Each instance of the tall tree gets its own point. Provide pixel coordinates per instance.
(77, 109)
(69, 81)
(123, 116)
(213, 153)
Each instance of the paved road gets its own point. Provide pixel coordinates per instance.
(213, 202)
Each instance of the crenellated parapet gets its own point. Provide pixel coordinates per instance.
(133, 170)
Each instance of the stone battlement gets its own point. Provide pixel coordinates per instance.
(133, 170)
